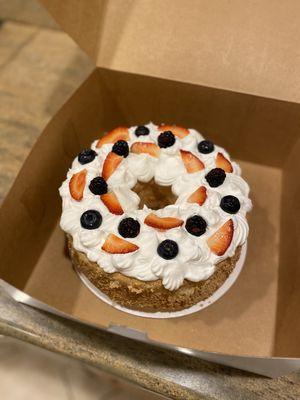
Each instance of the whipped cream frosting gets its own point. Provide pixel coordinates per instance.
(195, 261)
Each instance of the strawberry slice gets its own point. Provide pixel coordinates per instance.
(116, 245)
(221, 239)
(191, 162)
(120, 133)
(144, 147)
(110, 164)
(222, 162)
(199, 196)
(162, 223)
(77, 185)
(112, 203)
(178, 131)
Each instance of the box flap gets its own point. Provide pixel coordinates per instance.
(245, 46)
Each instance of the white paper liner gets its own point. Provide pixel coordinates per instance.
(173, 314)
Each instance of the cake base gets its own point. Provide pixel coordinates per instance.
(151, 297)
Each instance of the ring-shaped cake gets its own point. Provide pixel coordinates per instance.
(147, 259)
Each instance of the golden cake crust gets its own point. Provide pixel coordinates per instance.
(151, 296)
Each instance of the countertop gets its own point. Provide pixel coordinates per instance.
(34, 81)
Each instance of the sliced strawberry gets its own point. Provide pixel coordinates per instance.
(222, 162)
(199, 196)
(110, 164)
(221, 239)
(142, 147)
(77, 184)
(162, 223)
(113, 136)
(112, 203)
(191, 162)
(116, 245)
(178, 131)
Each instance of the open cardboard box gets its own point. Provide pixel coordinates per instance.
(256, 325)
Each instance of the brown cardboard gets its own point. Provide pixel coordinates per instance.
(289, 278)
(241, 45)
(255, 317)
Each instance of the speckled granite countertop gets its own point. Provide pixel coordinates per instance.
(34, 81)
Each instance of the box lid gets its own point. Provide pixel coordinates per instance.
(246, 46)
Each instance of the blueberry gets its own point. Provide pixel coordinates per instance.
(168, 249)
(91, 219)
(206, 146)
(215, 177)
(129, 228)
(196, 225)
(86, 156)
(166, 139)
(98, 185)
(142, 131)
(121, 148)
(230, 204)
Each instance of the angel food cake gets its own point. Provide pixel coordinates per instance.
(155, 216)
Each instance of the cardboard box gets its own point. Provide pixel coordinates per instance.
(235, 79)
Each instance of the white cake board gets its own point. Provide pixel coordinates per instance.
(175, 314)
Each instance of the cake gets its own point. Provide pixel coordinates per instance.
(155, 216)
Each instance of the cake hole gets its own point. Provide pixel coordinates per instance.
(153, 195)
